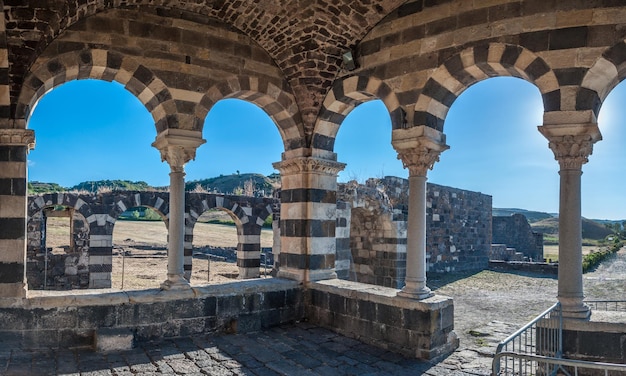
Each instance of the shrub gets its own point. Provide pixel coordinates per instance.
(592, 259)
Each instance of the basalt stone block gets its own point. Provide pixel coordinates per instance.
(274, 300)
(229, 305)
(367, 310)
(573, 37)
(389, 315)
(320, 299)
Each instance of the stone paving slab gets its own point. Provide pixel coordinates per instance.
(298, 350)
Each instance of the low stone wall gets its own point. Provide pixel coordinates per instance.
(375, 315)
(531, 267)
(55, 320)
(601, 339)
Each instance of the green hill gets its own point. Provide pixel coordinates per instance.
(531, 216)
(244, 184)
(37, 187)
(591, 229)
(114, 185)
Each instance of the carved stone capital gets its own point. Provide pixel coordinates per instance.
(419, 160)
(178, 146)
(309, 164)
(419, 148)
(571, 144)
(17, 137)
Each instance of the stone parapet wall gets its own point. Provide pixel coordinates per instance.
(65, 321)
(375, 315)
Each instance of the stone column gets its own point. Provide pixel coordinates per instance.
(308, 217)
(14, 147)
(177, 147)
(418, 148)
(572, 145)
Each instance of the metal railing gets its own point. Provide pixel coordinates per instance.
(566, 367)
(607, 305)
(542, 336)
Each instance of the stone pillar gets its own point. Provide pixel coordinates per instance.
(14, 147)
(572, 144)
(177, 147)
(419, 149)
(308, 217)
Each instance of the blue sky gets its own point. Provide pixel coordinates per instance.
(92, 130)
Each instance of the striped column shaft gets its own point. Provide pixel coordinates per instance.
(308, 218)
(249, 251)
(14, 146)
(188, 251)
(100, 259)
(342, 235)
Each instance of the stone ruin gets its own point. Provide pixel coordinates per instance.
(372, 230)
(514, 240)
(371, 233)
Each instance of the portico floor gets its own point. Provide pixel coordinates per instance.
(299, 349)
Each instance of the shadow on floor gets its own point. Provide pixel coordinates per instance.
(299, 349)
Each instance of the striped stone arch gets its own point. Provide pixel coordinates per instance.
(248, 215)
(344, 96)
(278, 104)
(72, 200)
(478, 63)
(102, 65)
(606, 73)
(158, 201)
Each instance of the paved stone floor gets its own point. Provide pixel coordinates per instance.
(300, 349)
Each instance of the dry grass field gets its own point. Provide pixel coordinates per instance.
(140, 251)
(551, 252)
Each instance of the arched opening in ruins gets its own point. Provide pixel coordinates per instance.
(240, 135)
(139, 249)
(215, 238)
(57, 249)
(371, 226)
(217, 234)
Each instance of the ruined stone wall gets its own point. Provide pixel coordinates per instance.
(515, 232)
(88, 261)
(458, 232)
(458, 229)
(54, 271)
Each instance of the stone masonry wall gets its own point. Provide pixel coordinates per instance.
(458, 229)
(458, 232)
(67, 321)
(46, 270)
(515, 232)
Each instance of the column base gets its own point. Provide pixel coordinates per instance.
(175, 282)
(415, 288)
(424, 293)
(574, 308)
(576, 314)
